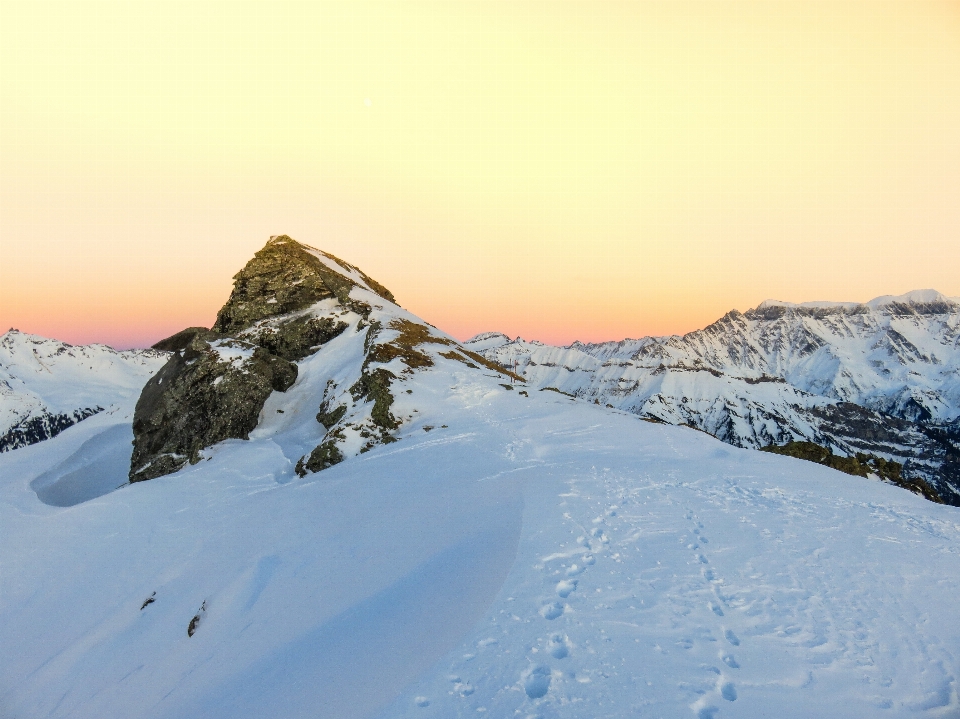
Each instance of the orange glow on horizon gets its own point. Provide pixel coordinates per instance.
(559, 171)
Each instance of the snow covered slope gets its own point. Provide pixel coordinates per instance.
(536, 556)
(783, 372)
(444, 541)
(47, 385)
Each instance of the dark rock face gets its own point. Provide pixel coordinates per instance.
(860, 464)
(282, 278)
(203, 395)
(215, 385)
(179, 341)
(927, 453)
(325, 455)
(297, 338)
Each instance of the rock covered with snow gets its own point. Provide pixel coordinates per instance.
(206, 393)
(289, 303)
(287, 276)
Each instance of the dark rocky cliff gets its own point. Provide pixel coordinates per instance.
(216, 383)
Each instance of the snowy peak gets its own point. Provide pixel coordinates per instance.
(486, 340)
(915, 301)
(784, 371)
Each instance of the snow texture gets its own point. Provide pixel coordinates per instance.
(529, 556)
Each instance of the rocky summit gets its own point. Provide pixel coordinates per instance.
(285, 277)
(288, 302)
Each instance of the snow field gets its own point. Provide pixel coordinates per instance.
(536, 557)
(661, 573)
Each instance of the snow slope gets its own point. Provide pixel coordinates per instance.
(47, 385)
(535, 556)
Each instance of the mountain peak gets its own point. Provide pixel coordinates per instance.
(914, 298)
(286, 276)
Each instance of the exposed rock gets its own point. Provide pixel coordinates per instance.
(203, 395)
(285, 277)
(197, 618)
(179, 341)
(861, 465)
(325, 455)
(329, 417)
(295, 339)
(375, 385)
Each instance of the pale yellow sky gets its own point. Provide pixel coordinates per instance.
(557, 170)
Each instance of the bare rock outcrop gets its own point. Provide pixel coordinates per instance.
(206, 393)
(216, 382)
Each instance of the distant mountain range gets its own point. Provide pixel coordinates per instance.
(47, 386)
(882, 377)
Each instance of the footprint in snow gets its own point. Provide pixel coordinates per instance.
(536, 681)
(551, 611)
(565, 587)
(731, 637)
(557, 647)
(461, 687)
(421, 701)
(574, 570)
(716, 609)
(728, 691)
(730, 661)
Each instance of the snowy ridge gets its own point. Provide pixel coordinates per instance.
(47, 385)
(913, 298)
(761, 377)
(536, 556)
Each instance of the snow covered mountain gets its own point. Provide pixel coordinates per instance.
(881, 377)
(47, 386)
(409, 531)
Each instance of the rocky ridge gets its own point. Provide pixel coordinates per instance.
(291, 307)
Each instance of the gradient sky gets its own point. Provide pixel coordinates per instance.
(557, 170)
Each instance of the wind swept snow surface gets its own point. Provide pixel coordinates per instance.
(535, 557)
